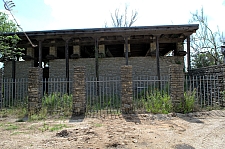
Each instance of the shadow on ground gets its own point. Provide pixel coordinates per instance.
(183, 146)
(76, 118)
(132, 118)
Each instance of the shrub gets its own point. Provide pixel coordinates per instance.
(156, 102)
(189, 101)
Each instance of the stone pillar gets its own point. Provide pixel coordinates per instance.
(180, 47)
(30, 52)
(76, 50)
(127, 89)
(79, 91)
(152, 46)
(101, 48)
(125, 47)
(1, 93)
(177, 87)
(53, 49)
(34, 90)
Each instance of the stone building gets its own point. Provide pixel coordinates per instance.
(103, 51)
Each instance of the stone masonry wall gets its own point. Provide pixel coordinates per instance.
(208, 86)
(142, 66)
(177, 87)
(127, 89)
(34, 90)
(79, 91)
(217, 70)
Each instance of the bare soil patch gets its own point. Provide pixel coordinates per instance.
(179, 131)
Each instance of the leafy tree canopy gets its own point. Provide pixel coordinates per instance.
(8, 42)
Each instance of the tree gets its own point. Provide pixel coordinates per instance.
(205, 43)
(8, 38)
(122, 20)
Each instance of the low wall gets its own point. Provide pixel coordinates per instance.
(217, 70)
(110, 67)
(22, 69)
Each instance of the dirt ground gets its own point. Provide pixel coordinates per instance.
(142, 131)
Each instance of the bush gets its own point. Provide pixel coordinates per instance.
(156, 102)
(189, 101)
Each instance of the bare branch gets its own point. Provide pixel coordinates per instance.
(122, 20)
(205, 40)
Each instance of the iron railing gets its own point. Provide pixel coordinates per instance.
(207, 89)
(103, 95)
(57, 85)
(146, 86)
(14, 92)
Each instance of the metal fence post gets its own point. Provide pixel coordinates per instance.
(177, 87)
(79, 91)
(127, 89)
(34, 90)
(1, 83)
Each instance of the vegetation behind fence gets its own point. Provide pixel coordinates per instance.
(104, 95)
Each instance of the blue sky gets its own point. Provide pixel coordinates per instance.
(35, 15)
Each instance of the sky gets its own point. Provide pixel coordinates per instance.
(36, 15)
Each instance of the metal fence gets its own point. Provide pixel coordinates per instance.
(57, 95)
(146, 86)
(103, 95)
(207, 89)
(57, 85)
(14, 92)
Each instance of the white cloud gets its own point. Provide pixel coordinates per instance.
(90, 14)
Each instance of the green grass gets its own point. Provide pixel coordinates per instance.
(18, 111)
(17, 133)
(52, 105)
(98, 125)
(103, 103)
(11, 127)
(57, 127)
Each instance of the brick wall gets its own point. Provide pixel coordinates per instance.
(111, 66)
(107, 66)
(22, 69)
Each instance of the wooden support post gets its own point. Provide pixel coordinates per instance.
(188, 54)
(96, 64)
(40, 53)
(126, 54)
(14, 77)
(157, 59)
(67, 62)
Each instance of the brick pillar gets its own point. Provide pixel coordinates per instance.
(127, 89)
(79, 91)
(223, 84)
(1, 83)
(34, 90)
(177, 86)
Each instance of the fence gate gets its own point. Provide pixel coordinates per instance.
(103, 95)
